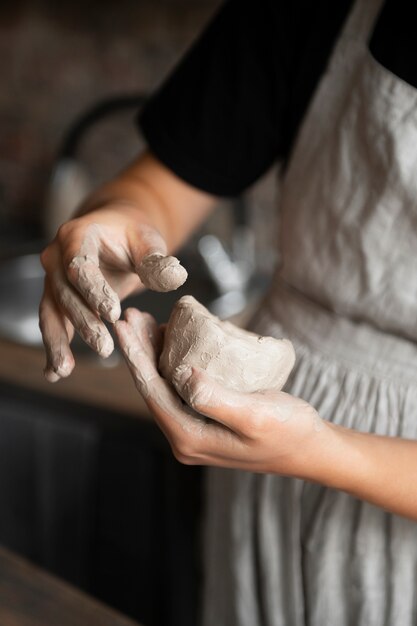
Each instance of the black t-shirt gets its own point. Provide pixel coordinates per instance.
(234, 103)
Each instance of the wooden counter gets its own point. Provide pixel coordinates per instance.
(31, 597)
(93, 381)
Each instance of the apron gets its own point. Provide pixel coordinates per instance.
(281, 551)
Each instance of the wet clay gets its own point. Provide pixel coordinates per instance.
(161, 273)
(235, 358)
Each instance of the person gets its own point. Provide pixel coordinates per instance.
(316, 523)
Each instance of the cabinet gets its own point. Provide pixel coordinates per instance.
(96, 497)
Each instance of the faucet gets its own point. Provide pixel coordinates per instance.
(231, 273)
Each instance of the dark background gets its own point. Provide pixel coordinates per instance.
(57, 59)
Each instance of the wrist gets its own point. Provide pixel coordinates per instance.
(312, 461)
(337, 459)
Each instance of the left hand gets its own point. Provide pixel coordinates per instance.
(269, 431)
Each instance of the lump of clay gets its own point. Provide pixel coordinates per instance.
(161, 273)
(236, 358)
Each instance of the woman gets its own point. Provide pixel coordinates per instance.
(330, 91)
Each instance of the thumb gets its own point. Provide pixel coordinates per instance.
(155, 269)
(208, 397)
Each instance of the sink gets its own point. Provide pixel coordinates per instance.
(21, 286)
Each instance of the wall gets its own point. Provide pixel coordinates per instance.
(57, 59)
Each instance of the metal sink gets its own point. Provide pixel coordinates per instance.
(21, 285)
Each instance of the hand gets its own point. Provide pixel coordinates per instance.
(262, 432)
(269, 432)
(95, 261)
(112, 249)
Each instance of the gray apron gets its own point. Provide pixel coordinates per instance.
(280, 551)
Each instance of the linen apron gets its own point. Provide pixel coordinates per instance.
(281, 551)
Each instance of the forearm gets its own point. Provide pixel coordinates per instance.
(148, 192)
(380, 470)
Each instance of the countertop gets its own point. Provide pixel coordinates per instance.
(30, 597)
(92, 382)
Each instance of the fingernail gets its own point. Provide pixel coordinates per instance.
(181, 374)
(50, 375)
(111, 311)
(63, 365)
(104, 345)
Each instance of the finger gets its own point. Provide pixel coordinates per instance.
(136, 338)
(88, 325)
(248, 414)
(156, 270)
(56, 335)
(86, 276)
(161, 273)
(145, 241)
(84, 273)
(146, 328)
(235, 410)
(193, 438)
(157, 392)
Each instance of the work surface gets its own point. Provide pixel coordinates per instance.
(30, 597)
(91, 382)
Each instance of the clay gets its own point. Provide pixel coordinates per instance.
(235, 358)
(88, 277)
(139, 339)
(161, 273)
(92, 284)
(156, 271)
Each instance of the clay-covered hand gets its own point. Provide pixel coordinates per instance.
(267, 431)
(95, 261)
(117, 244)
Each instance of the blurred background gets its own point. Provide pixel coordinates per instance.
(58, 60)
(88, 487)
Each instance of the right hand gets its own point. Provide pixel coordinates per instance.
(262, 431)
(95, 261)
